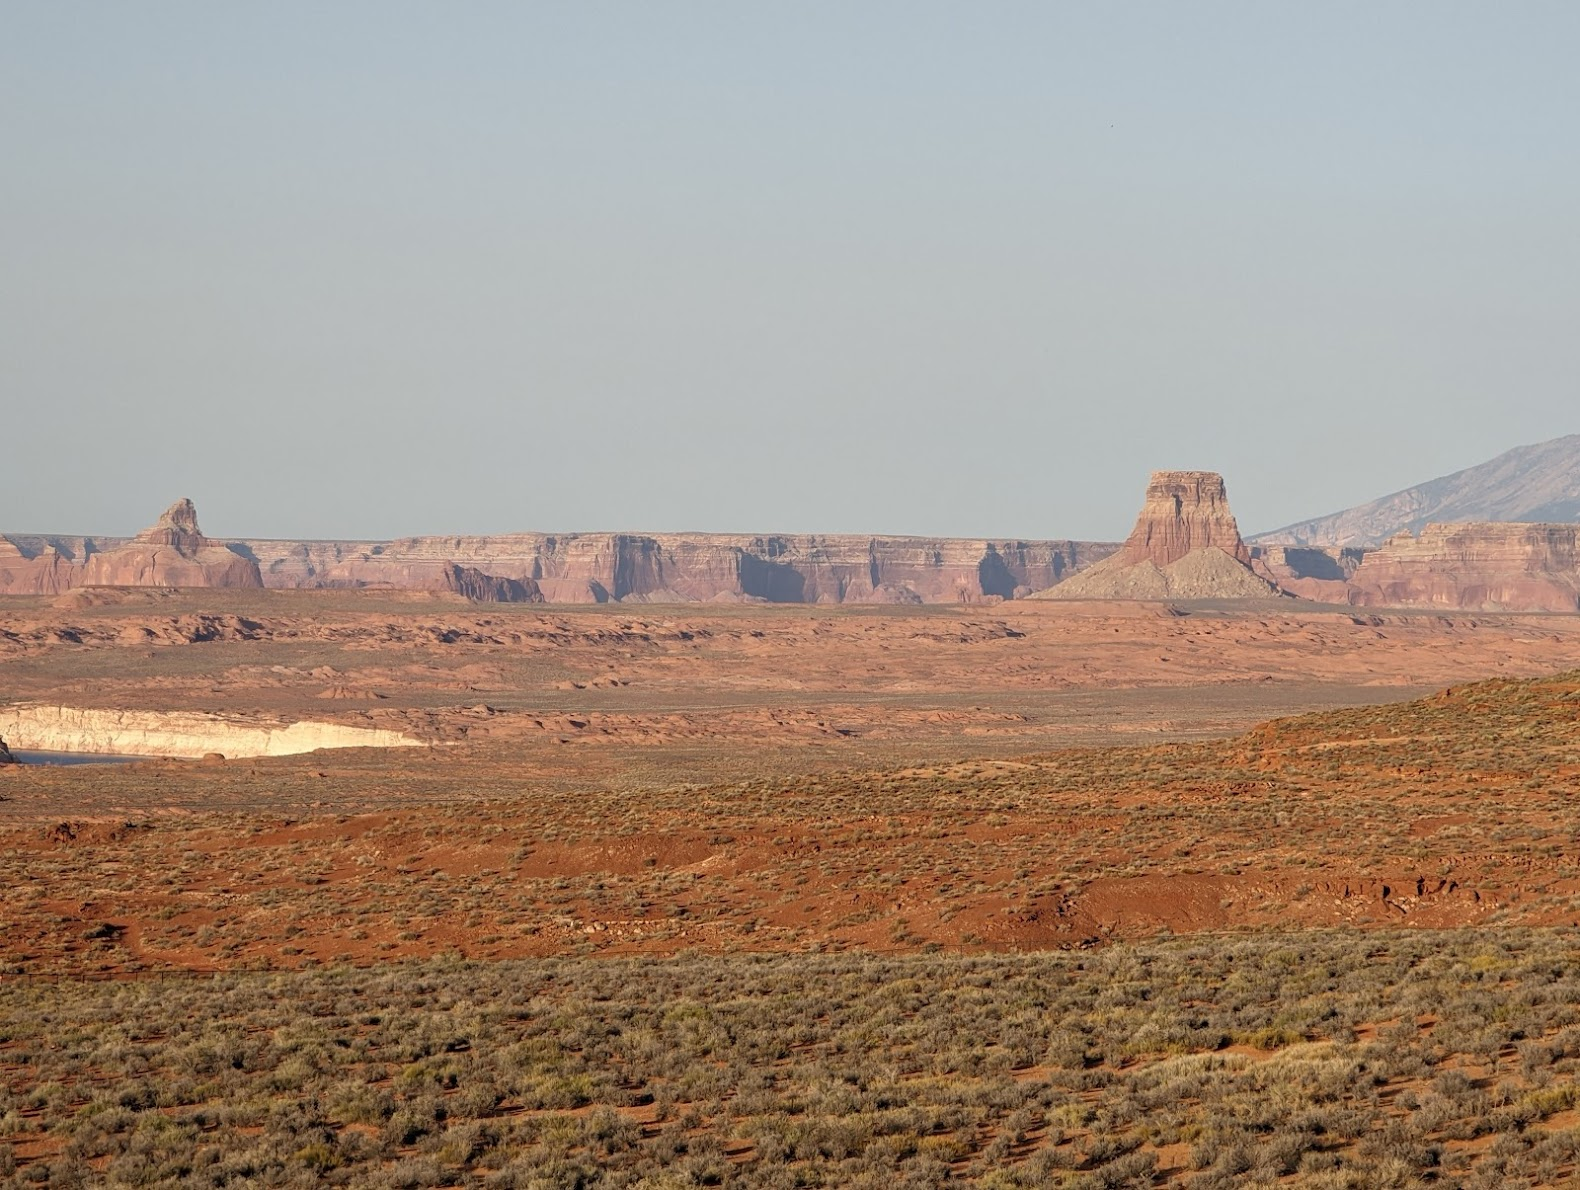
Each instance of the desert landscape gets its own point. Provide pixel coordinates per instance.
(874, 596)
(1185, 545)
(1162, 876)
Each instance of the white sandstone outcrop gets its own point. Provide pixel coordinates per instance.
(31, 727)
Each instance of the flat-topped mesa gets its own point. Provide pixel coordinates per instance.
(1184, 511)
(687, 567)
(1496, 566)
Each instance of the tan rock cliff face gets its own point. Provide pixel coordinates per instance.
(35, 568)
(1184, 511)
(687, 567)
(1488, 566)
(179, 733)
(560, 567)
(1309, 572)
(490, 588)
(1185, 545)
(173, 553)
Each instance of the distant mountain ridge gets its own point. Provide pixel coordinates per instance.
(1540, 482)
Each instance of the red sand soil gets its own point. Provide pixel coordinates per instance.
(619, 780)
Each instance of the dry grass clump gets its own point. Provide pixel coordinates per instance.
(1346, 1059)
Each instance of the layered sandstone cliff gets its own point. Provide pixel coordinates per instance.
(1185, 545)
(172, 553)
(1487, 566)
(490, 588)
(688, 567)
(37, 567)
(559, 567)
(1184, 511)
(1308, 572)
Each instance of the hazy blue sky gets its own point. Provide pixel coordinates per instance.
(368, 269)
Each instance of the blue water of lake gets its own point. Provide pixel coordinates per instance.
(73, 758)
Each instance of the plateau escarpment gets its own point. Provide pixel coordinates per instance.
(1309, 572)
(690, 567)
(1487, 566)
(1526, 567)
(558, 567)
(1185, 545)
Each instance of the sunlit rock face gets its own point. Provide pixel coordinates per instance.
(1184, 511)
(171, 553)
(1473, 566)
(1185, 545)
(38, 728)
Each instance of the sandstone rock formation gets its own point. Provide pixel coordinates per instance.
(39, 566)
(1310, 572)
(490, 588)
(172, 553)
(1185, 545)
(1184, 511)
(5, 754)
(1538, 483)
(690, 567)
(559, 568)
(179, 733)
(1497, 566)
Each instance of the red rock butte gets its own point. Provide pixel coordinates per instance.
(1184, 511)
